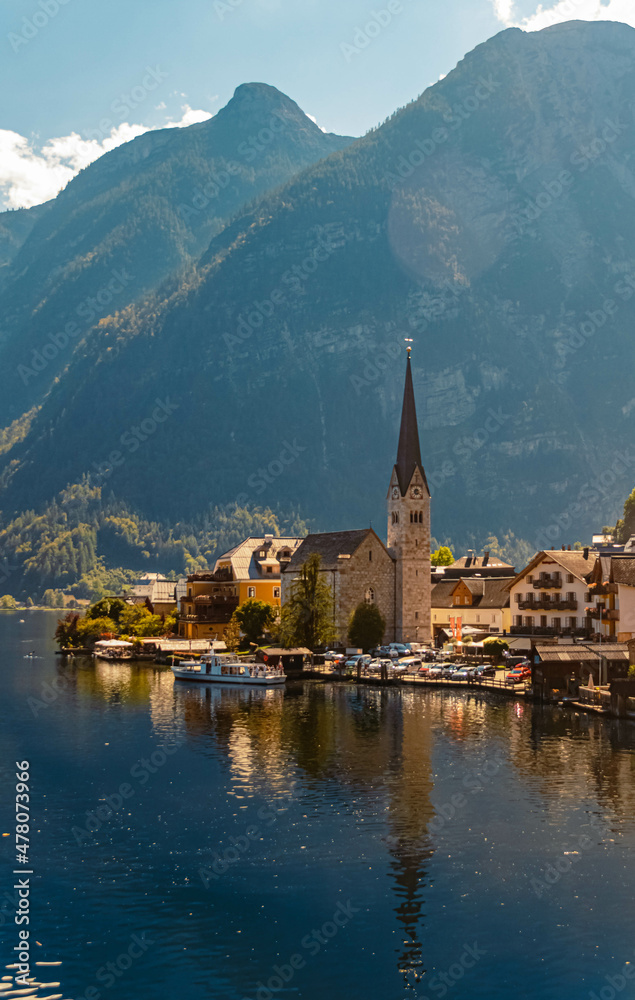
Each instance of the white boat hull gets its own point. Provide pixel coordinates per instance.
(197, 675)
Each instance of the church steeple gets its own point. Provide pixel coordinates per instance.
(409, 450)
(409, 527)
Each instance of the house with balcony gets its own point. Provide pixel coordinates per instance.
(251, 570)
(549, 596)
(481, 602)
(611, 598)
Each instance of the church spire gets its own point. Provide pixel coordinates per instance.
(409, 451)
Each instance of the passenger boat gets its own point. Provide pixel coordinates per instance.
(113, 649)
(220, 668)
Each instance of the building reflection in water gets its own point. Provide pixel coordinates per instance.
(375, 745)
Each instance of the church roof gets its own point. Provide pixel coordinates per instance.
(409, 451)
(329, 545)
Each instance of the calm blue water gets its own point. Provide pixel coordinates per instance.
(388, 844)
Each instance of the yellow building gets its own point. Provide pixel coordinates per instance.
(250, 571)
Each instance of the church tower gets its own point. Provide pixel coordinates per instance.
(409, 528)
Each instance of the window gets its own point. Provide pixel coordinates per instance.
(276, 591)
(518, 598)
(529, 622)
(370, 555)
(518, 620)
(416, 572)
(251, 591)
(369, 596)
(411, 517)
(543, 621)
(555, 623)
(420, 517)
(573, 622)
(530, 579)
(416, 614)
(478, 618)
(569, 577)
(528, 597)
(557, 597)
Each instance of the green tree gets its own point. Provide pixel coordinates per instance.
(136, 620)
(254, 617)
(29, 602)
(8, 603)
(442, 557)
(307, 617)
(66, 631)
(366, 627)
(231, 635)
(89, 630)
(495, 645)
(108, 607)
(625, 527)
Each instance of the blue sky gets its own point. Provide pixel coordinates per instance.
(67, 64)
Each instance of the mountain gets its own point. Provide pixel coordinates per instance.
(122, 225)
(492, 221)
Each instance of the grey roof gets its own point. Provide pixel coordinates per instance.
(582, 651)
(246, 565)
(163, 592)
(480, 562)
(623, 570)
(329, 545)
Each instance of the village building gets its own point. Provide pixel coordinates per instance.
(550, 596)
(359, 567)
(249, 571)
(486, 565)
(562, 669)
(611, 598)
(475, 602)
(154, 591)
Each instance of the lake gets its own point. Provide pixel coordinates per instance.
(320, 841)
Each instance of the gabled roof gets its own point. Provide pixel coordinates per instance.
(623, 570)
(409, 451)
(246, 564)
(330, 545)
(570, 561)
(582, 651)
(487, 593)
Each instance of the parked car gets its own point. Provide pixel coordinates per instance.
(435, 671)
(486, 670)
(463, 674)
(411, 663)
(362, 658)
(424, 670)
(518, 674)
(403, 649)
(448, 670)
(332, 657)
(398, 668)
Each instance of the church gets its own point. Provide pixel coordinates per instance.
(395, 576)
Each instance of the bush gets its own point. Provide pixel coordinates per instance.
(367, 627)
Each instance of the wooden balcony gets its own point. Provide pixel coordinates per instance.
(548, 583)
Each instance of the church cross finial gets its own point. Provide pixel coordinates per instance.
(409, 341)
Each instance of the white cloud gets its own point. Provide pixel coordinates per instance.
(565, 10)
(314, 119)
(30, 175)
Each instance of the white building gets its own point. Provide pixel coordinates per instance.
(550, 596)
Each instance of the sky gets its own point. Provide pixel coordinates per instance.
(79, 77)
